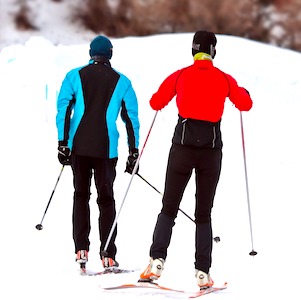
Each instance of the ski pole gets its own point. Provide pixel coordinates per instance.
(104, 252)
(40, 226)
(253, 252)
(217, 239)
(162, 195)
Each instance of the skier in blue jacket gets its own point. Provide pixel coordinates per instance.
(88, 105)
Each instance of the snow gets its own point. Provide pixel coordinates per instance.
(55, 21)
(40, 264)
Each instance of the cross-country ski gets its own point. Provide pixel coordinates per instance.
(151, 285)
(142, 285)
(208, 291)
(105, 272)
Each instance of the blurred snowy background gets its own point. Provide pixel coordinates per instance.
(40, 264)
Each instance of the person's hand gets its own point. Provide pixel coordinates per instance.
(64, 153)
(131, 162)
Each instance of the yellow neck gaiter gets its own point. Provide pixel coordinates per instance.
(202, 56)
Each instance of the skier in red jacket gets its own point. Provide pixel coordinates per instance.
(201, 90)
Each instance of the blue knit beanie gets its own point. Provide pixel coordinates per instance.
(101, 46)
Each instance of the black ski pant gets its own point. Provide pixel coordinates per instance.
(104, 176)
(181, 162)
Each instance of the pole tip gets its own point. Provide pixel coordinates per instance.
(39, 226)
(253, 253)
(217, 239)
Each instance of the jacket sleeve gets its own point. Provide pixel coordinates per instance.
(129, 115)
(64, 107)
(239, 96)
(165, 93)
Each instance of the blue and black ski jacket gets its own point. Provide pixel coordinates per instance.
(90, 100)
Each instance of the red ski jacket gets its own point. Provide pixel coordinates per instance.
(201, 90)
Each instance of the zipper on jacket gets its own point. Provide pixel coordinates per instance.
(214, 137)
(183, 131)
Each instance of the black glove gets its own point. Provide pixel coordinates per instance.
(64, 154)
(130, 164)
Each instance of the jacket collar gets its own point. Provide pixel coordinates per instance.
(99, 60)
(202, 56)
(203, 63)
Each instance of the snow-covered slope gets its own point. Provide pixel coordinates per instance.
(40, 264)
